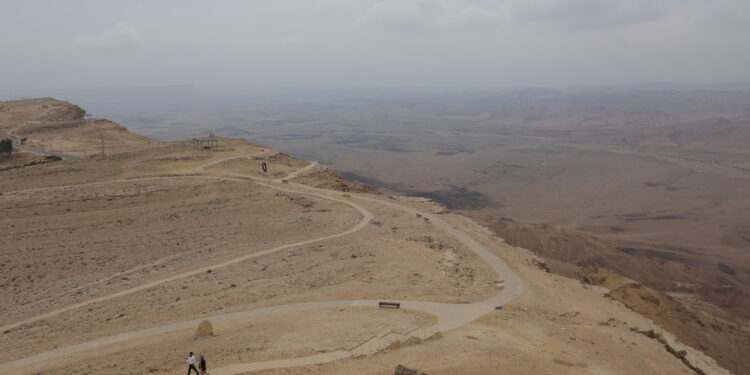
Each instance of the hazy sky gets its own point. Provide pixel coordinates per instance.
(371, 43)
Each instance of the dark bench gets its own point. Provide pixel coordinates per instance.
(394, 305)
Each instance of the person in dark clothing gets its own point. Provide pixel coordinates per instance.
(202, 365)
(191, 364)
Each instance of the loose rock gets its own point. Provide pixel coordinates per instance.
(205, 329)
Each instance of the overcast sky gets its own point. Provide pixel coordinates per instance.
(371, 43)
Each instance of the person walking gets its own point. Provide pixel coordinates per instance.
(191, 364)
(202, 366)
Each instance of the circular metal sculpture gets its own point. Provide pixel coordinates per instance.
(264, 166)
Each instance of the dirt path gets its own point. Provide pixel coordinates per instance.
(450, 316)
(366, 217)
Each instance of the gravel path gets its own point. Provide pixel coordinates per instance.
(450, 316)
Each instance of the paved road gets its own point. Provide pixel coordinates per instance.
(18, 145)
(450, 316)
(45, 153)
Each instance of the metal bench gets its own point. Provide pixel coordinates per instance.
(393, 305)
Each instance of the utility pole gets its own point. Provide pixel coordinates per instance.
(101, 136)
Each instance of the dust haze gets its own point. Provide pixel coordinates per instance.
(543, 186)
(245, 44)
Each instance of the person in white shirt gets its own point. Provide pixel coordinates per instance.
(191, 364)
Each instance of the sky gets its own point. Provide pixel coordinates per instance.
(258, 44)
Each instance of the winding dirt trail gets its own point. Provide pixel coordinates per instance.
(366, 217)
(449, 316)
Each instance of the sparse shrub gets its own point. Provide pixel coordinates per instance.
(6, 146)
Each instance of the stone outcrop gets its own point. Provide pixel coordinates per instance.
(205, 329)
(671, 348)
(402, 370)
(539, 262)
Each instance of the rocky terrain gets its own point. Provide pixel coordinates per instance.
(52, 125)
(109, 264)
(705, 325)
(647, 183)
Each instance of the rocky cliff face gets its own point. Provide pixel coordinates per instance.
(61, 127)
(62, 111)
(669, 293)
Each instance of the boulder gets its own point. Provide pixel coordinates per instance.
(539, 263)
(402, 370)
(205, 329)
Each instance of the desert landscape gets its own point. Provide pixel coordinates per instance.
(113, 259)
(406, 187)
(650, 183)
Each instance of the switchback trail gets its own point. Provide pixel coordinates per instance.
(449, 316)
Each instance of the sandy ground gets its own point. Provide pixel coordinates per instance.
(83, 226)
(262, 338)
